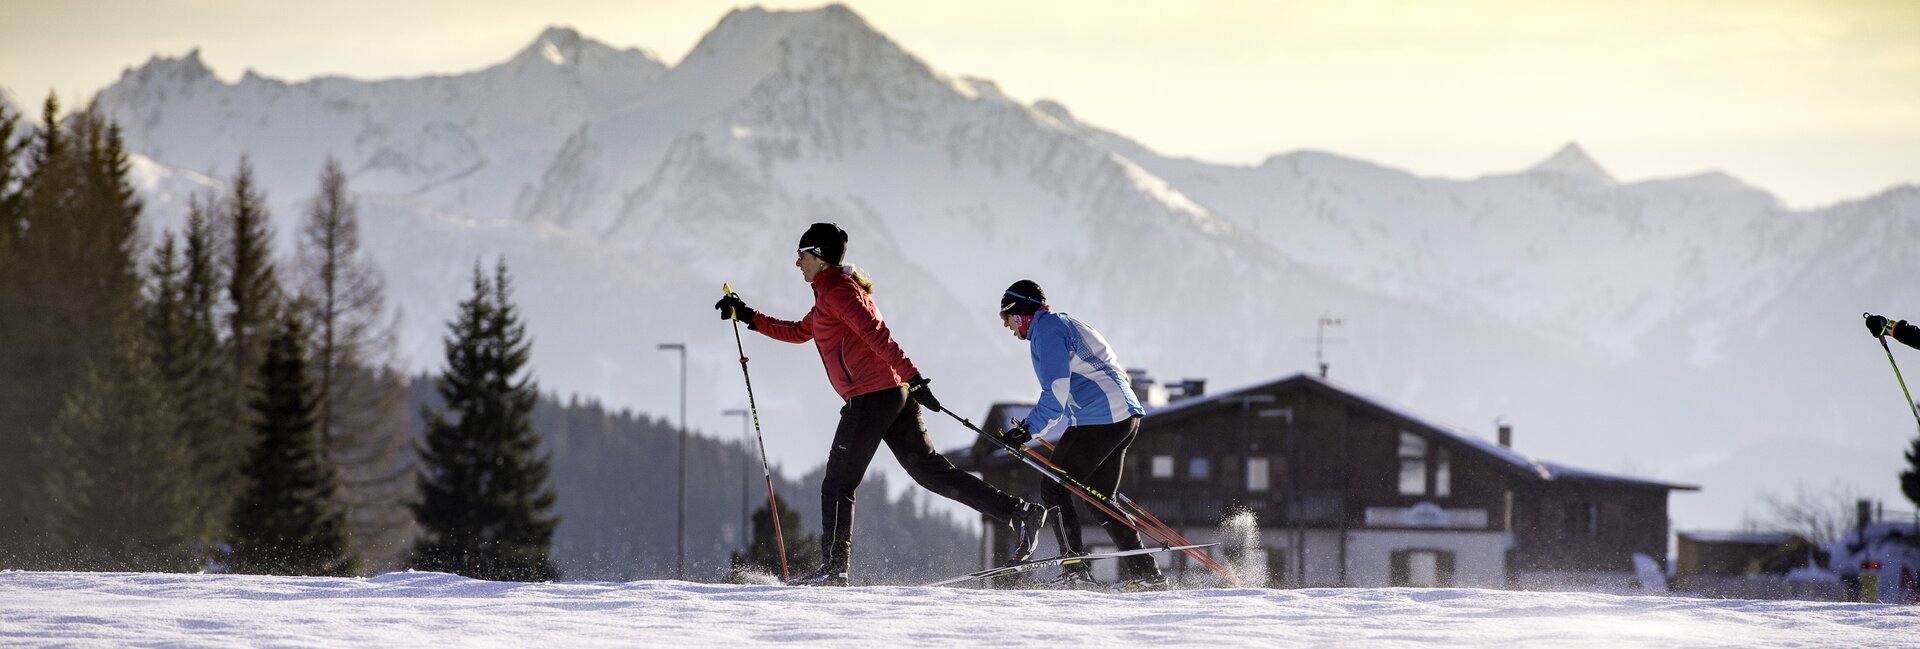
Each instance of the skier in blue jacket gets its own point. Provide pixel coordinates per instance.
(1083, 387)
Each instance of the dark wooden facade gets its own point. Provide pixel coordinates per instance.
(1371, 484)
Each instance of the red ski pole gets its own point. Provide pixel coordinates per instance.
(773, 505)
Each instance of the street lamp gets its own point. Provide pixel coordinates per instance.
(745, 535)
(680, 517)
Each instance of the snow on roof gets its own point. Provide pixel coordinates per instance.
(1527, 463)
(1755, 538)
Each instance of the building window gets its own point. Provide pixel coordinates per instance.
(1442, 473)
(1257, 474)
(1580, 520)
(1197, 468)
(1423, 568)
(1163, 466)
(1413, 465)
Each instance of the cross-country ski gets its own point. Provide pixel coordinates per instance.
(875, 323)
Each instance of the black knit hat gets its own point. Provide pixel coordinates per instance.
(1023, 298)
(826, 241)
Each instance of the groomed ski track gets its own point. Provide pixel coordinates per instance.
(431, 609)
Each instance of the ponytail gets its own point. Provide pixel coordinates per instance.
(866, 283)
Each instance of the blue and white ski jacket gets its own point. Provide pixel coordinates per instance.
(1080, 379)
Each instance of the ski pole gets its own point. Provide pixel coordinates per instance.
(1162, 532)
(1140, 509)
(1117, 501)
(1882, 335)
(773, 506)
(1055, 473)
(1915, 407)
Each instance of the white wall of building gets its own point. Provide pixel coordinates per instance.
(1479, 558)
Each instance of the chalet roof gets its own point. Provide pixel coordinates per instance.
(1751, 538)
(1526, 464)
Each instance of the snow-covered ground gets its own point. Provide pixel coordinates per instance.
(432, 609)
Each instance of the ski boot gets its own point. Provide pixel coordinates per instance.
(1145, 584)
(1027, 522)
(828, 575)
(1076, 576)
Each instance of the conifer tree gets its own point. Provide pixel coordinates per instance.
(72, 265)
(186, 353)
(363, 418)
(1910, 477)
(762, 553)
(118, 493)
(253, 304)
(10, 196)
(484, 508)
(287, 522)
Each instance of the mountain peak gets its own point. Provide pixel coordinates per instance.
(1571, 161)
(556, 45)
(1053, 109)
(188, 68)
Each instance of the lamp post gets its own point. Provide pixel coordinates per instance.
(680, 516)
(745, 534)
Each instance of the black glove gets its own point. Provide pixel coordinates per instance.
(918, 391)
(1016, 435)
(733, 308)
(1877, 325)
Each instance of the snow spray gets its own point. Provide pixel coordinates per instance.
(1239, 536)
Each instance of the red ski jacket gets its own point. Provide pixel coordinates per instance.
(855, 345)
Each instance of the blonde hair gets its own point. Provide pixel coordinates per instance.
(865, 282)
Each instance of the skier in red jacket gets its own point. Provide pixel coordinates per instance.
(883, 393)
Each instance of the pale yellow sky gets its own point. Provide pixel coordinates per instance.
(1817, 101)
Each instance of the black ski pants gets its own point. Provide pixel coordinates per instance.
(1094, 455)
(889, 416)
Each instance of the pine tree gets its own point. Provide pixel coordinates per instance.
(193, 361)
(363, 418)
(288, 522)
(1910, 478)
(72, 265)
(18, 474)
(484, 508)
(186, 355)
(762, 553)
(10, 194)
(119, 497)
(253, 304)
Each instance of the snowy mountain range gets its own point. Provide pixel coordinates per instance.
(1691, 329)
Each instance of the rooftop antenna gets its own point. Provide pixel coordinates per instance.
(1320, 341)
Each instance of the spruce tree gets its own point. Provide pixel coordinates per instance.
(10, 195)
(762, 552)
(363, 419)
(484, 508)
(253, 304)
(117, 481)
(288, 522)
(72, 265)
(186, 353)
(1910, 478)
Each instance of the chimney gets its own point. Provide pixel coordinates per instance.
(1506, 435)
(1187, 389)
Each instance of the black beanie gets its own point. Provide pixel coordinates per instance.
(826, 241)
(1023, 298)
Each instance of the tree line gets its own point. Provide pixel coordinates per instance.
(184, 401)
(195, 404)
